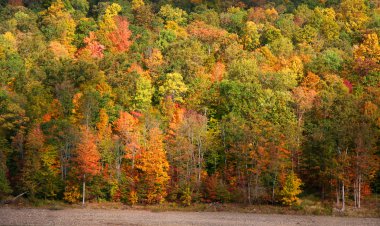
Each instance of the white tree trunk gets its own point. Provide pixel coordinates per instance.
(84, 189)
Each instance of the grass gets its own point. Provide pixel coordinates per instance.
(310, 205)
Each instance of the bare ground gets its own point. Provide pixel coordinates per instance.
(31, 216)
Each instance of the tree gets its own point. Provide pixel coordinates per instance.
(218, 72)
(144, 93)
(136, 4)
(57, 24)
(154, 61)
(104, 139)
(107, 21)
(186, 147)
(87, 158)
(93, 48)
(120, 36)
(127, 128)
(367, 55)
(353, 14)
(291, 189)
(168, 13)
(251, 36)
(81, 5)
(187, 58)
(153, 168)
(31, 164)
(174, 87)
(206, 33)
(324, 19)
(304, 99)
(233, 19)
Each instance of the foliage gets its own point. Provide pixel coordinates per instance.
(190, 101)
(169, 13)
(173, 86)
(87, 154)
(71, 194)
(291, 189)
(186, 197)
(153, 168)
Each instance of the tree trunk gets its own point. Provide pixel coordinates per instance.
(337, 195)
(62, 166)
(295, 154)
(84, 189)
(359, 190)
(256, 186)
(273, 187)
(249, 191)
(133, 159)
(356, 192)
(343, 198)
(199, 160)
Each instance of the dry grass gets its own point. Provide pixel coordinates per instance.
(309, 206)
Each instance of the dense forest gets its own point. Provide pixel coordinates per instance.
(186, 101)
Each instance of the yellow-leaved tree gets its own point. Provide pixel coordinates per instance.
(291, 189)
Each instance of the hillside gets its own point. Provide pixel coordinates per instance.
(145, 102)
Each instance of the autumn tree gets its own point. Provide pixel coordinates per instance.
(31, 161)
(58, 25)
(87, 158)
(206, 33)
(353, 14)
(127, 128)
(120, 37)
(304, 99)
(169, 13)
(153, 168)
(291, 189)
(251, 36)
(367, 55)
(186, 147)
(173, 86)
(93, 48)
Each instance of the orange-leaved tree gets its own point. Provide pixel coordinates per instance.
(87, 158)
(153, 168)
(127, 128)
(120, 37)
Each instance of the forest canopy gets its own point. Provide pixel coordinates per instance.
(140, 101)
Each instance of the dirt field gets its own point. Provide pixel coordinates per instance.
(25, 216)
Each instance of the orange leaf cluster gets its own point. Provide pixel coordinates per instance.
(120, 37)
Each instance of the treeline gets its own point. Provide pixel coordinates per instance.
(189, 101)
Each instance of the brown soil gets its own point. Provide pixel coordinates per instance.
(34, 216)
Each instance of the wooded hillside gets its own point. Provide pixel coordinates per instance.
(189, 101)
